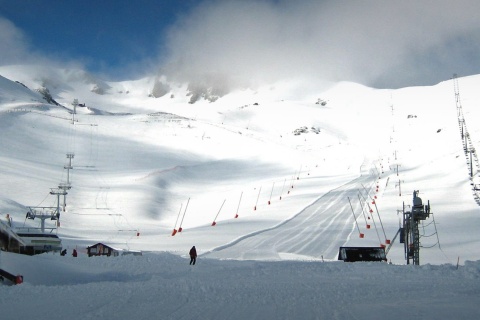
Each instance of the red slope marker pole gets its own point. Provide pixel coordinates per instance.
(238, 207)
(174, 232)
(284, 181)
(214, 220)
(299, 171)
(387, 241)
(184, 212)
(359, 233)
(374, 223)
(363, 211)
(271, 193)
(293, 181)
(255, 208)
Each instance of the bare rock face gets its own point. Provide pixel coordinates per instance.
(199, 91)
(98, 89)
(159, 89)
(47, 96)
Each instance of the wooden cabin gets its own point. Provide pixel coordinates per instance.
(101, 249)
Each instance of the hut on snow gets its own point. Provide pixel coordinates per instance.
(101, 249)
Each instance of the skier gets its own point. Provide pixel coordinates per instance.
(193, 255)
(74, 253)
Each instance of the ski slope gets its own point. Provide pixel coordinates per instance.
(317, 231)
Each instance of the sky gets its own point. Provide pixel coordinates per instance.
(105, 36)
(385, 44)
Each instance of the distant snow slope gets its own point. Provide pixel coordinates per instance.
(14, 92)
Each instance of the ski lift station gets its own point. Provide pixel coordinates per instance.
(353, 254)
(30, 240)
(409, 236)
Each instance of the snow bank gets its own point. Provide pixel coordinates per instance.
(165, 286)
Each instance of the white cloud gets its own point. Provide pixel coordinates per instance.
(17, 49)
(385, 43)
(14, 46)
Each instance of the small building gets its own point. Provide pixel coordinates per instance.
(101, 249)
(352, 254)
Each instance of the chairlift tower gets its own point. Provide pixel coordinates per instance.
(70, 156)
(66, 186)
(44, 213)
(411, 234)
(75, 104)
(40, 213)
(456, 88)
(58, 192)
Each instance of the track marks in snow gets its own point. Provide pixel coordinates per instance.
(316, 231)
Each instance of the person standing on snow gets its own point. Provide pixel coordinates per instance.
(193, 255)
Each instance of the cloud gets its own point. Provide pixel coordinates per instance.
(16, 48)
(378, 43)
(14, 44)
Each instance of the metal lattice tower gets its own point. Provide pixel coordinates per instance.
(468, 146)
(457, 90)
(411, 233)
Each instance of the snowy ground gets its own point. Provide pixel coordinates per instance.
(164, 286)
(139, 161)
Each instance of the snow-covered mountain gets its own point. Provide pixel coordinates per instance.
(300, 164)
(138, 159)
